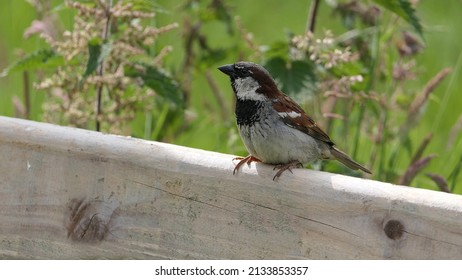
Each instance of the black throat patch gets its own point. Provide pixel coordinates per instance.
(247, 111)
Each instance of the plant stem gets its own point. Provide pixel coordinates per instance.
(99, 90)
(160, 122)
(192, 33)
(25, 76)
(375, 53)
(224, 111)
(455, 173)
(447, 95)
(312, 16)
(148, 118)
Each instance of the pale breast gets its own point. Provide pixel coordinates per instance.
(273, 142)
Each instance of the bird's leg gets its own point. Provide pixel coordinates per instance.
(248, 159)
(286, 166)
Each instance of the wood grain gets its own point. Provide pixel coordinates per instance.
(67, 193)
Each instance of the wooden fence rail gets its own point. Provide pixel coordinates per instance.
(67, 193)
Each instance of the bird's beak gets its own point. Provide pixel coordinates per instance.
(228, 69)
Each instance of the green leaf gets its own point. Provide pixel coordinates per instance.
(295, 78)
(98, 52)
(216, 10)
(157, 80)
(352, 69)
(404, 9)
(45, 58)
(278, 49)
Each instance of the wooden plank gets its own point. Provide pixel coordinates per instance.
(71, 193)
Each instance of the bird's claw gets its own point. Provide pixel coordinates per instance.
(287, 166)
(248, 159)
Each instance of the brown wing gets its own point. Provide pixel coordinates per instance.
(297, 118)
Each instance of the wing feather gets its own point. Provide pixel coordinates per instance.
(294, 116)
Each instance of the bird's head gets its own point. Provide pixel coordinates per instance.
(250, 81)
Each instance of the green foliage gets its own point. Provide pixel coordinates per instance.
(404, 9)
(157, 80)
(74, 89)
(147, 6)
(454, 175)
(41, 59)
(295, 78)
(97, 51)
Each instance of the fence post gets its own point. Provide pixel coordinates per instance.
(72, 193)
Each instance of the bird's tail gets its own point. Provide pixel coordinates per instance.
(347, 161)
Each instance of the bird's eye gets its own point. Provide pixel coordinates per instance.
(243, 72)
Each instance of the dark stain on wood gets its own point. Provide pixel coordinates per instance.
(89, 220)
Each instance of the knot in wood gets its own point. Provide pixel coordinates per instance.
(89, 220)
(394, 229)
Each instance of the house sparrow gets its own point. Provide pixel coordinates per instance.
(275, 129)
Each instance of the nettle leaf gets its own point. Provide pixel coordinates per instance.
(45, 58)
(404, 9)
(98, 51)
(157, 80)
(295, 78)
(278, 49)
(349, 69)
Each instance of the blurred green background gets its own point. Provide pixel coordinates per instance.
(268, 21)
